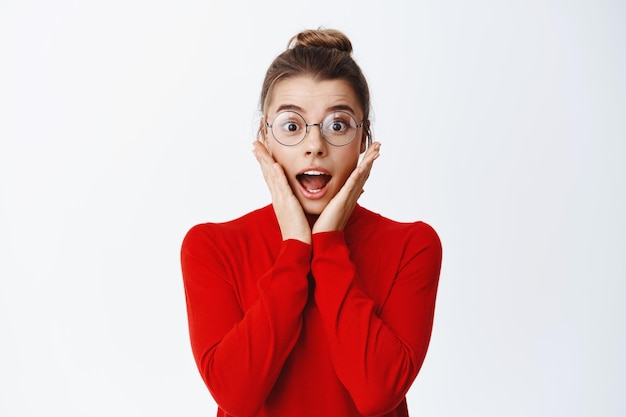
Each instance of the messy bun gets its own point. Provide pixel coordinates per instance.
(323, 54)
(323, 38)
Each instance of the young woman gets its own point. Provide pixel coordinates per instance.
(313, 305)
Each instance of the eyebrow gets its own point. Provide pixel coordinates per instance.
(342, 107)
(293, 107)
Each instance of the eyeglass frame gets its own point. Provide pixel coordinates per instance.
(307, 125)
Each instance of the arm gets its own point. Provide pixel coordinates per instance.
(240, 353)
(377, 357)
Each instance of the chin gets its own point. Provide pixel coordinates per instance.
(314, 208)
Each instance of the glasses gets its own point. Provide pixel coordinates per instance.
(338, 128)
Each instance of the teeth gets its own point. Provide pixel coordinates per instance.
(313, 173)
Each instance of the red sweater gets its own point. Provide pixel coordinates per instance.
(336, 328)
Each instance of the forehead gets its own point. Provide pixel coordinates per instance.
(313, 96)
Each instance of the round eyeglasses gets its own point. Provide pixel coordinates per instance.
(338, 128)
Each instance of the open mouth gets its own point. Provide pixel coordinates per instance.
(313, 181)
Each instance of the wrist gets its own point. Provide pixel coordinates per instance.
(303, 236)
(323, 227)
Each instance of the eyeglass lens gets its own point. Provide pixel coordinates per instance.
(338, 128)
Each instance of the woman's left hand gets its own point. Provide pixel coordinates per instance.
(338, 211)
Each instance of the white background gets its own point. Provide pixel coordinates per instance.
(124, 123)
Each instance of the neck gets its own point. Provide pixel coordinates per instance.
(312, 218)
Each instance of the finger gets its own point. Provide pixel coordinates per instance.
(279, 177)
(355, 182)
(373, 152)
(265, 160)
(265, 163)
(353, 188)
(365, 167)
(273, 173)
(260, 152)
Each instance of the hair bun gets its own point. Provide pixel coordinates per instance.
(323, 38)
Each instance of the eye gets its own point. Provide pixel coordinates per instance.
(338, 123)
(338, 126)
(289, 123)
(291, 126)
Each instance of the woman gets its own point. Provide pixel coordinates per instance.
(313, 305)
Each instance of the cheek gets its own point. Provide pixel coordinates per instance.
(347, 161)
(283, 156)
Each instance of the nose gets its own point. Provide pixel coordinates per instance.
(314, 142)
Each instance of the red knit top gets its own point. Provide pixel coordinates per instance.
(336, 328)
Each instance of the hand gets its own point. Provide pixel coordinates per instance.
(291, 218)
(338, 211)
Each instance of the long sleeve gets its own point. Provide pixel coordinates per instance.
(377, 351)
(240, 353)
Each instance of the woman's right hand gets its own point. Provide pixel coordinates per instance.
(291, 218)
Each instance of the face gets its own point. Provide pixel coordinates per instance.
(315, 169)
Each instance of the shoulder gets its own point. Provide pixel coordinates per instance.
(402, 241)
(405, 250)
(370, 223)
(223, 234)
